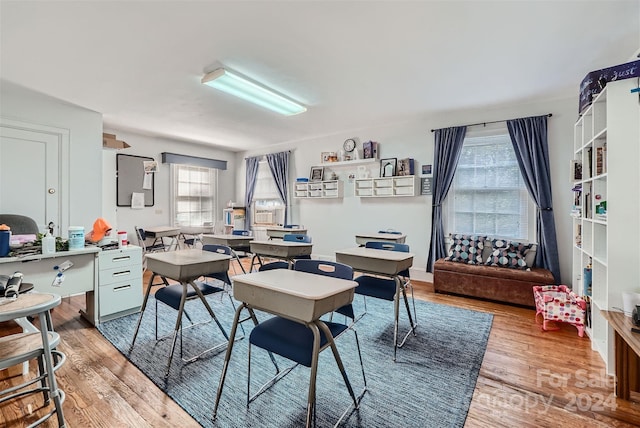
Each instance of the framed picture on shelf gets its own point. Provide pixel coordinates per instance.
(316, 174)
(388, 167)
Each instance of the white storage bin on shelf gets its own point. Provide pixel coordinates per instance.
(319, 190)
(406, 185)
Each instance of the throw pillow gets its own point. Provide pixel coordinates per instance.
(466, 248)
(509, 254)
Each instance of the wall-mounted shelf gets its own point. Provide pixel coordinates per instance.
(319, 189)
(406, 185)
(349, 163)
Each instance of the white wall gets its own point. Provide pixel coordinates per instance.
(333, 223)
(85, 146)
(125, 218)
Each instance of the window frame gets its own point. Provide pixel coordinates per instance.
(213, 177)
(526, 200)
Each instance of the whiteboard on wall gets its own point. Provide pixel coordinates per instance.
(130, 179)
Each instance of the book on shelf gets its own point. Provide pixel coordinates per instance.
(406, 166)
(370, 150)
(601, 159)
(589, 170)
(576, 169)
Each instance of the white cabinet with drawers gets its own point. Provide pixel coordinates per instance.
(119, 282)
(406, 185)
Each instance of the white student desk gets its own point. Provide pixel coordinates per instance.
(184, 266)
(383, 263)
(160, 232)
(363, 238)
(41, 270)
(279, 232)
(298, 296)
(235, 242)
(285, 250)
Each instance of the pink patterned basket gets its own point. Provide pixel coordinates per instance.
(557, 303)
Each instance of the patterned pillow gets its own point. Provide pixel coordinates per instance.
(509, 254)
(466, 248)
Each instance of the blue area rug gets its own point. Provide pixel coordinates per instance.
(430, 385)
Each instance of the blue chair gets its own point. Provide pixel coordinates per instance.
(290, 237)
(394, 232)
(172, 296)
(389, 289)
(291, 226)
(295, 341)
(240, 232)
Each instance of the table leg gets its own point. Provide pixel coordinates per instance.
(144, 306)
(48, 362)
(175, 331)
(311, 400)
(227, 356)
(238, 260)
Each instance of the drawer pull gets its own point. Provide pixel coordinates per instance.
(122, 273)
(121, 259)
(122, 287)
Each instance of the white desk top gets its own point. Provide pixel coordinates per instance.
(186, 265)
(160, 231)
(85, 250)
(300, 296)
(279, 232)
(281, 249)
(363, 238)
(375, 261)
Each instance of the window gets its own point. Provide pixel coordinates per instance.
(488, 195)
(194, 195)
(268, 207)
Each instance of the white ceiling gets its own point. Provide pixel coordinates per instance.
(354, 64)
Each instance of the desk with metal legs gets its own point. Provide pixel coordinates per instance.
(298, 296)
(284, 250)
(389, 264)
(184, 266)
(164, 232)
(279, 232)
(363, 238)
(235, 242)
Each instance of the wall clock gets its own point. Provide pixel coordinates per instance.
(349, 145)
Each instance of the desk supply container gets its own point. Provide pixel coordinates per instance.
(76, 238)
(122, 239)
(48, 243)
(5, 238)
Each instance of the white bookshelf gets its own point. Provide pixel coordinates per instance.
(607, 144)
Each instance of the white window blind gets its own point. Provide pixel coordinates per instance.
(268, 207)
(488, 195)
(194, 195)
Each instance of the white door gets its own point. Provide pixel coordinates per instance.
(29, 175)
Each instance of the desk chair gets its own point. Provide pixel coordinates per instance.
(245, 252)
(391, 231)
(291, 237)
(295, 341)
(174, 296)
(387, 289)
(290, 226)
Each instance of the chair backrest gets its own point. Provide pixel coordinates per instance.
(20, 224)
(394, 232)
(391, 246)
(290, 226)
(292, 237)
(215, 248)
(141, 235)
(240, 232)
(323, 267)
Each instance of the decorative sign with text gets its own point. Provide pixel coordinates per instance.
(425, 185)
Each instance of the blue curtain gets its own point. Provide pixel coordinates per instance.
(529, 138)
(251, 176)
(447, 149)
(279, 166)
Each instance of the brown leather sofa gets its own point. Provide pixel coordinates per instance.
(496, 283)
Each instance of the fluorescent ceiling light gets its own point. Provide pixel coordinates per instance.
(241, 87)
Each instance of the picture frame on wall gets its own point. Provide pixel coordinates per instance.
(388, 167)
(316, 174)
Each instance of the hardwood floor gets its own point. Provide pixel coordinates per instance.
(528, 378)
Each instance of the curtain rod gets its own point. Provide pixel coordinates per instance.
(267, 154)
(485, 123)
